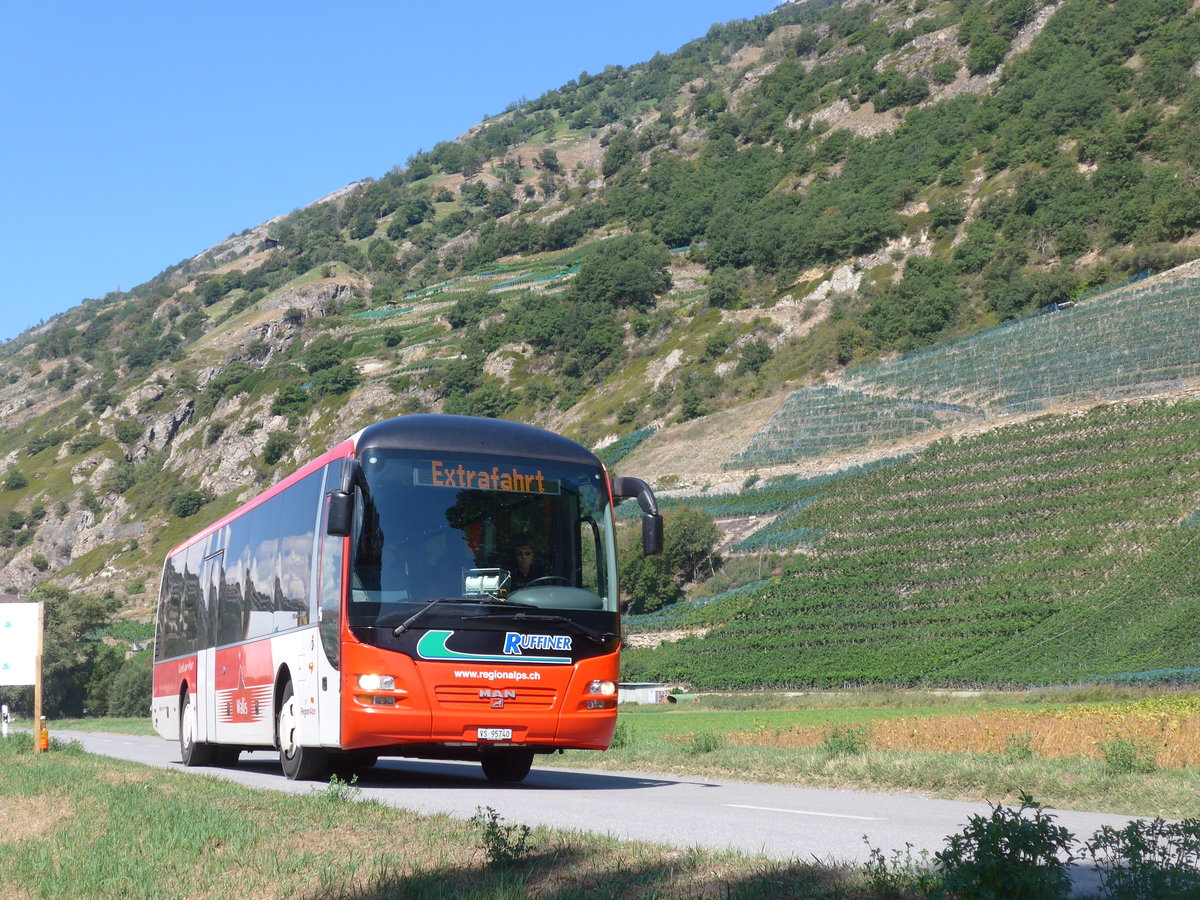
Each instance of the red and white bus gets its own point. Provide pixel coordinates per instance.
(369, 605)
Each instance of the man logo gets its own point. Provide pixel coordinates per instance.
(497, 696)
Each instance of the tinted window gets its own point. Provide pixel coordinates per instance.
(298, 506)
(262, 571)
(537, 532)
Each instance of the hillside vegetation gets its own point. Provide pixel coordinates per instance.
(1049, 552)
(797, 246)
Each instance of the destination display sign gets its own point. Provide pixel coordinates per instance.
(460, 476)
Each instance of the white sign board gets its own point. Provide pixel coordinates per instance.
(18, 643)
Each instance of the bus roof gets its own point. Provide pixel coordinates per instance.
(428, 432)
(465, 434)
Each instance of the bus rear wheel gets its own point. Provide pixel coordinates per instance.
(299, 763)
(510, 766)
(192, 752)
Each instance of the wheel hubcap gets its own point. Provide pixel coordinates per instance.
(287, 729)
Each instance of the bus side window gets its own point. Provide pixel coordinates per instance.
(231, 611)
(211, 581)
(591, 558)
(297, 522)
(262, 573)
(167, 644)
(191, 601)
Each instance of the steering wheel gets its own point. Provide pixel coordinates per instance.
(547, 579)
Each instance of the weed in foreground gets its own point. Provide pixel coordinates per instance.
(623, 735)
(848, 741)
(339, 791)
(1018, 747)
(1128, 756)
(1009, 854)
(706, 741)
(504, 845)
(904, 876)
(1148, 860)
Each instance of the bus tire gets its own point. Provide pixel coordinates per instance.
(511, 766)
(299, 763)
(191, 751)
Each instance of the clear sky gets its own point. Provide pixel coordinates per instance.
(139, 134)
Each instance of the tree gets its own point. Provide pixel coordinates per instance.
(619, 152)
(916, 311)
(647, 581)
(189, 503)
(628, 269)
(127, 430)
(278, 443)
(651, 582)
(690, 543)
(72, 668)
(129, 693)
(322, 352)
(335, 380)
(548, 160)
(292, 399)
(723, 288)
(753, 356)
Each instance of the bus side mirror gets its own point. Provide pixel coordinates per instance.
(652, 523)
(652, 534)
(340, 519)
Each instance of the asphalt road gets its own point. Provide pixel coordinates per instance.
(778, 821)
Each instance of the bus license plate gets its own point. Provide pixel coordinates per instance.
(495, 734)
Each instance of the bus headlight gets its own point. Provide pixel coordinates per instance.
(603, 688)
(376, 683)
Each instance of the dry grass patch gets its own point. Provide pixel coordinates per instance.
(32, 817)
(1169, 726)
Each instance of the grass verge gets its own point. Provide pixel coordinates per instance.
(86, 826)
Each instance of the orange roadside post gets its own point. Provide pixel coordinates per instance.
(43, 736)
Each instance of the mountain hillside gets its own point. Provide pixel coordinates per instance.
(832, 235)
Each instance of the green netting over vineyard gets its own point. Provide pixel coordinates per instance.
(671, 615)
(824, 419)
(618, 450)
(1049, 551)
(1128, 342)
(382, 313)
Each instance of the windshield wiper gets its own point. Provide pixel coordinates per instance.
(430, 604)
(589, 633)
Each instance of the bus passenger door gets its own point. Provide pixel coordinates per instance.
(206, 706)
(330, 589)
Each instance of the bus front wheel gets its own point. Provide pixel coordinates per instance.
(299, 763)
(193, 752)
(511, 766)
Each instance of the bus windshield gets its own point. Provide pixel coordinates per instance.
(533, 534)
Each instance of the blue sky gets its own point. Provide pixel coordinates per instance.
(140, 134)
